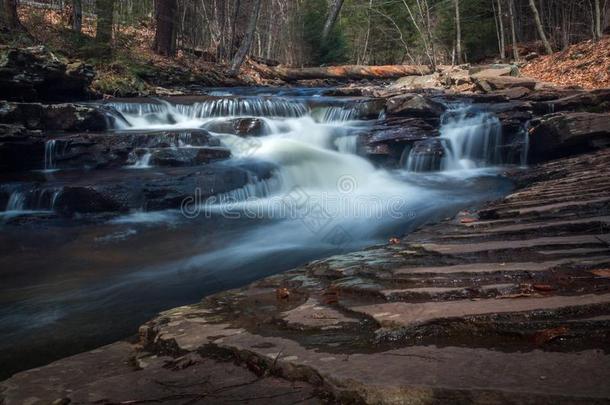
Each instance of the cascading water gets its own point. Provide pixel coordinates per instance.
(16, 202)
(49, 155)
(315, 196)
(472, 139)
(468, 139)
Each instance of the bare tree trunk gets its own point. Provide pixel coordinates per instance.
(458, 33)
(333, 13)
(9, 19)
(244, 48)
(77, 15)
(513, 32)
(502, 44)
(105, 19)
(165, 33)
(233, 29)
(598, 21)
(545, 41)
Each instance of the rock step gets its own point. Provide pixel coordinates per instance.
(410, 314)
(119, 374)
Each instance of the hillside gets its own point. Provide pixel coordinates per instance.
(586, 64)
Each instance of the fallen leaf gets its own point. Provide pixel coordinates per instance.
(547, 335)
(602, 272)
(282, 294)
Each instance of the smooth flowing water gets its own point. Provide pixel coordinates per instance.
(70, 285)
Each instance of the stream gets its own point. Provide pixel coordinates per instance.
(72, 283)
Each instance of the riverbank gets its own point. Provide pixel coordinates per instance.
(509, 303)
(519, 283)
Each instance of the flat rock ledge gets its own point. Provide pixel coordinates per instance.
(507, 304)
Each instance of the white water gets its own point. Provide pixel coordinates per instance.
(469, 139)
(16, 202)
(142, 162)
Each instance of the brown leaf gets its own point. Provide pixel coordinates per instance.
(547, 335)
(602, 272)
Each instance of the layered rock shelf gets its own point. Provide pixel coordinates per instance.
(508, 303)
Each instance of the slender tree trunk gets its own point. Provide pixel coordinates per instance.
(458, 33)
(598, 20)
(513, 31)
(545, 41)
(502, 44)
(9, 19)
(77, 15)
(234, 29)
(165, 34)
(104, 10)
(244, 48)
(333, 13)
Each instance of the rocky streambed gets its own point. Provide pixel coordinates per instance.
(119, 209)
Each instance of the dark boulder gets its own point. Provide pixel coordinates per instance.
(589, 101)
(20, 148)
(414, 105)
(86, 200)
(565, 134)
(160, 189)
(53, 117)
(34, 73)
(187, 156)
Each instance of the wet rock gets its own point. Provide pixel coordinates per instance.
(590, 101)
(565, 134)
(414, 105)
(34, 73)
(85, 200)
(187, 156)
(426, 155)
(53, 117)
(29, 149)
(163, 188)
(343, 92)
(238, 126)
(20, 148)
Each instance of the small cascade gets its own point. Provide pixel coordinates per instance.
(255, 189)
(142, 161)
(49, 155)
(469, 139)
(34, 200)
(347, 144)
(16, 201)
(338, 114)
(243, 107)
(472, 139)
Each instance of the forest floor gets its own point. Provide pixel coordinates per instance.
(586, 64)
(131, 68)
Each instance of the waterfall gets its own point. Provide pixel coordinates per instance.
(338, 114)
(468, 139)
(347, 144)
(16, 201)
(49, 155)
(472, 139)
(142, 161)
(164, 114)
